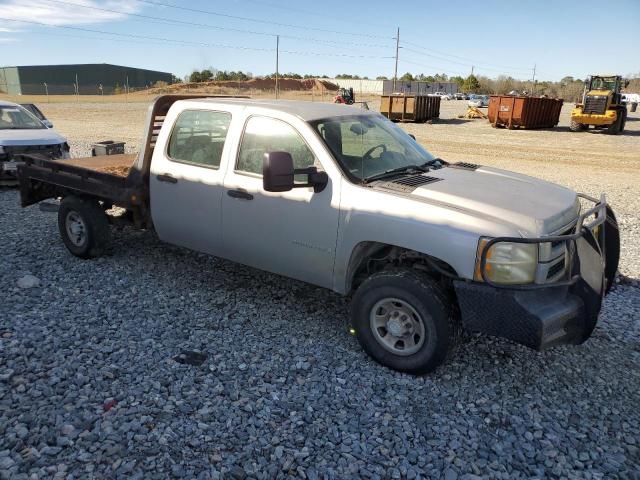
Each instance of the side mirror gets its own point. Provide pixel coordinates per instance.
(47, 123)
(412, 136)
(278, 174)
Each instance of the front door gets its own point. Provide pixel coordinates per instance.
(186, 180)
(291, 233)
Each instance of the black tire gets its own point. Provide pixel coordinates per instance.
(429, 301)
(623, 122)
(617, 126)
(91, 223)
(576, 127)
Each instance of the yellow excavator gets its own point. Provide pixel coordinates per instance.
(601, 105)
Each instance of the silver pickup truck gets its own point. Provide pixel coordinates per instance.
(345, 199)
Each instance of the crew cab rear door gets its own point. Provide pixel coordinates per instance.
(290, 233)
(186, 177)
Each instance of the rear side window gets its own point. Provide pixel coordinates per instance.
(262, 135)
(198, 137)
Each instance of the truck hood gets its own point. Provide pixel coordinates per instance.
(530, 206)
(43, 136)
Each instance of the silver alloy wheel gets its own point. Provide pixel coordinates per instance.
(397, 326)
(76, 228)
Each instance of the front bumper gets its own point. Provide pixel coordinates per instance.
(546, 314)
(9, 165)
(578, 116)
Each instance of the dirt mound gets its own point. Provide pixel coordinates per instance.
(293, 84)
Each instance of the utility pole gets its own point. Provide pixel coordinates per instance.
(533, 80)
(395, 71)
(126, 88)
(277, 61)
(472, 67)
(77, 89)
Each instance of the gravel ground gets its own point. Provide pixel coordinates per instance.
(92, 384)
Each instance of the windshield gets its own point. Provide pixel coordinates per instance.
(603, 83)
(17, 118)
(368, 145)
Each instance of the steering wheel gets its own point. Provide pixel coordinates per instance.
(373, 149)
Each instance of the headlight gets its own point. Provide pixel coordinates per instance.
(507, 262)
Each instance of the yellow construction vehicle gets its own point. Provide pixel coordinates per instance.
(601, 105)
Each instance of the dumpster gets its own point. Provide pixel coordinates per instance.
(410, 108)
(108, 147)
(524, 112)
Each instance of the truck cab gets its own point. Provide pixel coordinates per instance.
(344, 199)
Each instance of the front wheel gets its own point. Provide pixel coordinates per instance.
(576, 127)
(404, 320)
(83, 226)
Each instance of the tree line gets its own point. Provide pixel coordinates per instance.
(569, 87)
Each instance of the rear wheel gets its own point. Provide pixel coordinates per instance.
(84, 226)
(404, 320)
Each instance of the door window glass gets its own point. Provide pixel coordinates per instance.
(263, 135)
(198, 137)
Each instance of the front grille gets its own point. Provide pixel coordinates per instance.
(555, 269)
(595, 104)
(409, 184)
(51, 151)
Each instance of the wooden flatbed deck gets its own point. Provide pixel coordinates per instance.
(113, 164)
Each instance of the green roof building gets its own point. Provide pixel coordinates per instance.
(91, 78)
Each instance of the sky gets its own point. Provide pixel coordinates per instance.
(494, 37)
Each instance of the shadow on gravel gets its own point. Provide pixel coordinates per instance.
(451, 121)
(591, 131)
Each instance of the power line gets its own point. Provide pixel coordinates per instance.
(257, 20)
(473, 61)
(502, 70)
(437, 69)
(193, 43)
(216, 27)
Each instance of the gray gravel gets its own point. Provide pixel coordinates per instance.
(99, 378)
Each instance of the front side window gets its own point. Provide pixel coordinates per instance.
(263, 135)
(198, 137)
(17, 118)
(368, 145)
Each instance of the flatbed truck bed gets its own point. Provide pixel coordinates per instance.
(119, 165)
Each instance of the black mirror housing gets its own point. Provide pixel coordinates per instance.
(277, 172)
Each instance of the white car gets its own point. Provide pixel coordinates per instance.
(478, 101)
(22, 132)
(442, 95)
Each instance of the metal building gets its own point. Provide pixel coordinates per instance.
(84, 79)
(418, 88)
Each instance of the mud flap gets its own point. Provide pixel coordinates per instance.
(588, 263)
(611, 249)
